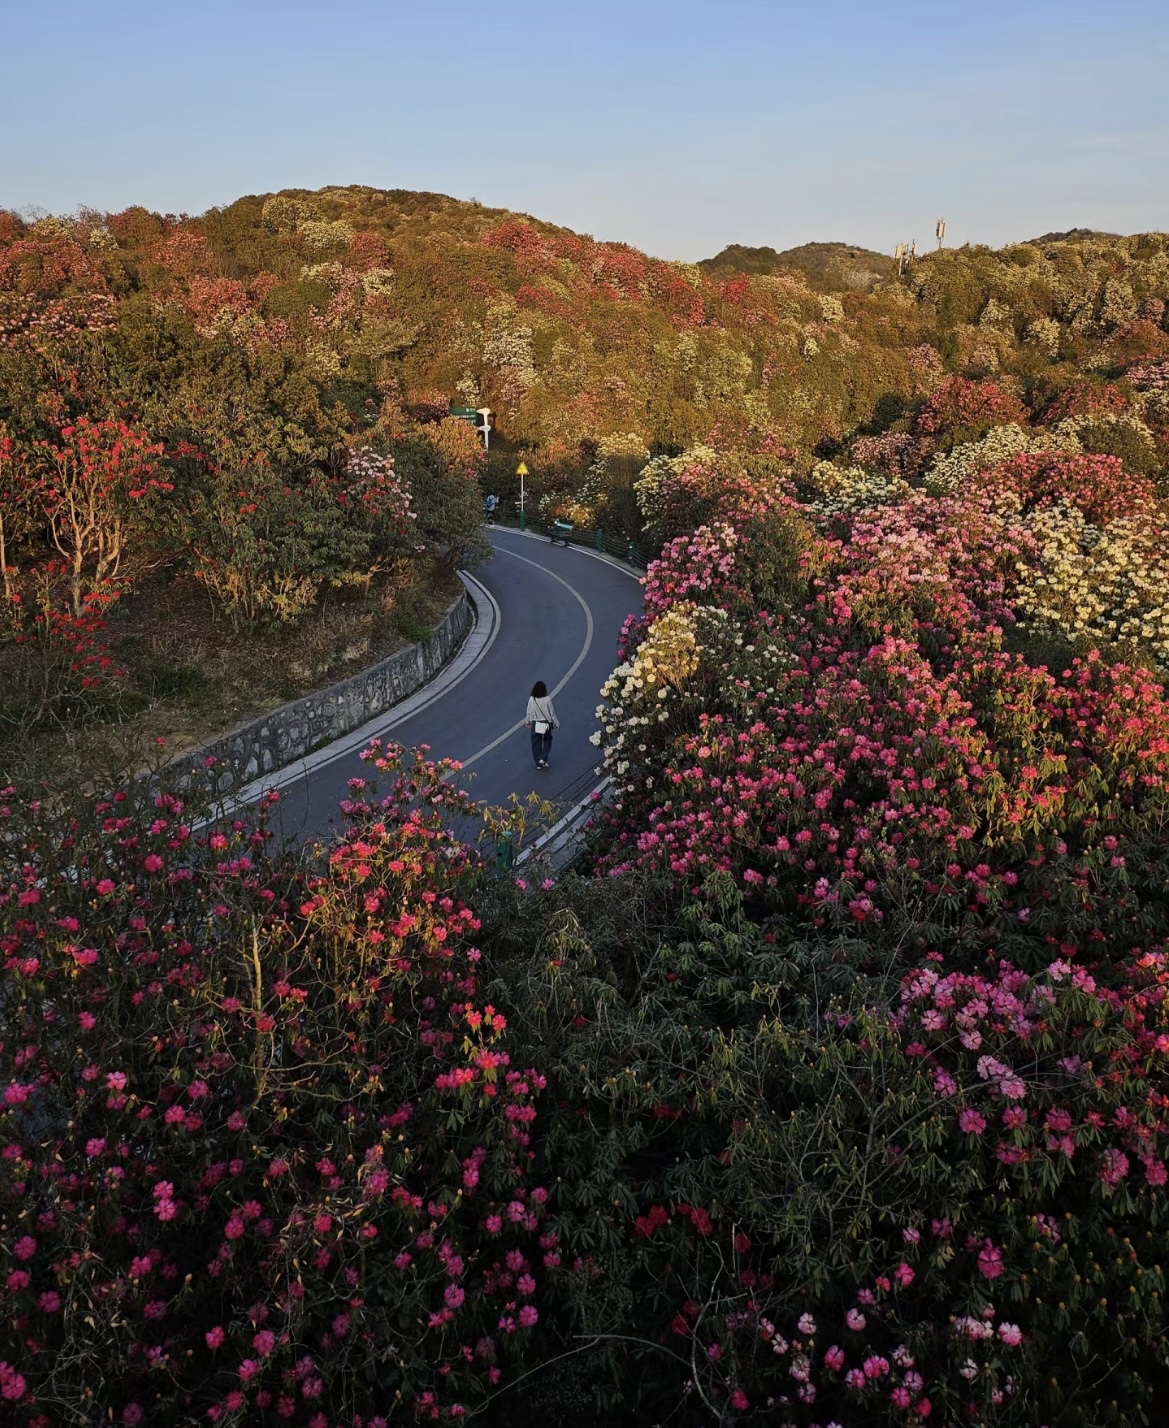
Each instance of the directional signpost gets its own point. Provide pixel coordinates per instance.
(521, 471)
(479, 417)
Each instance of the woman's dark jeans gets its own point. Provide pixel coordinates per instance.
(541, 746)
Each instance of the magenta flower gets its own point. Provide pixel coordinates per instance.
(990, 1261)
(1114, 1167)
(971, 1122)
(24, 1248)
(214, 1337)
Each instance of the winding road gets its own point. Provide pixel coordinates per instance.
(544, 612)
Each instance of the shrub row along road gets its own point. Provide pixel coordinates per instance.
(552, 614)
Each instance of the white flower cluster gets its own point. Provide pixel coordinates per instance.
(656, 690)
(835, 489)
(1043, 333)
(661, 472)
(994, 314)
(1108, 583)
(638, 693)
(617, 447)
(1075, 431)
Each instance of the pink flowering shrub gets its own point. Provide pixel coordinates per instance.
(897, 1067)
(1084, 398)
(891, 452)
(705, 487)
(812, 1167)
(266, 1154)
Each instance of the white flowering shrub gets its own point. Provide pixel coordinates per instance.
(660, 475)
(1107, 583)
(832, 490)
(666, 682)
(1043, 334)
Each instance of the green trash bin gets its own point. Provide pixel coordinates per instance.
(504, 852)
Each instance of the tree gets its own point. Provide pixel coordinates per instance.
(447, 502)
(93, 484)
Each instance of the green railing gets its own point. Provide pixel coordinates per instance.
(619, 547)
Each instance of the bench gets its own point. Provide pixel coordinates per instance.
(560, 529)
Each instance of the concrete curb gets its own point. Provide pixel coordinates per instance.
(557, 845)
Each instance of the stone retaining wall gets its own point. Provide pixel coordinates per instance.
(278, 738)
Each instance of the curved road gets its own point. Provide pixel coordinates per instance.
(552, 614)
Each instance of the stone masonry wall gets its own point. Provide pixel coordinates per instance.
(283, 735)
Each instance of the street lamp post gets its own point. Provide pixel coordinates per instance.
(485, 413)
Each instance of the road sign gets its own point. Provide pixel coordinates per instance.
(521, 469)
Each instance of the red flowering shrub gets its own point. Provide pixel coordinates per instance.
(1083, 398)
(264, 1150)
(95, 484)
(66, 668)
(1098, 485)
(960, 410)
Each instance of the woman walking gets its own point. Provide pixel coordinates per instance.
(541, 720)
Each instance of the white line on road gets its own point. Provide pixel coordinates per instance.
(474, 650)
(507, 733)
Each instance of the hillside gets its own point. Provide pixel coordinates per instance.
(320, 309)
(827, 267)
(829, 1085)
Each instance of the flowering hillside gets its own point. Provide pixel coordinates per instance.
(915, 1039)
(832, 1086)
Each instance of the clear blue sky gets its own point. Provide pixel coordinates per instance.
(677, 126)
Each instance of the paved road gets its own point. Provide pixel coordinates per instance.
(557, 613)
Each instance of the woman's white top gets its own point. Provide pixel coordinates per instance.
(541, 710)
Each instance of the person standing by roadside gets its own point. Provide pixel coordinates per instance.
(541, 720)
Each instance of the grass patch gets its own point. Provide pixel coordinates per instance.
(191, 676)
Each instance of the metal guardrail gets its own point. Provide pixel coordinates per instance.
(619, 547)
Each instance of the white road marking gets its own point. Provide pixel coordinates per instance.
(507, 733)
(460, 667)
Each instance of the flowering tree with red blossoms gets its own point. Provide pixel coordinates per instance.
(92, 484)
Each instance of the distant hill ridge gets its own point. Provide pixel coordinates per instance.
(826, 267)
(335, 309)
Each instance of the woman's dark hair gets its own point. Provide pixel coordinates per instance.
(539, 690)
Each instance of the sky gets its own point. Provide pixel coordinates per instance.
(678, 127)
